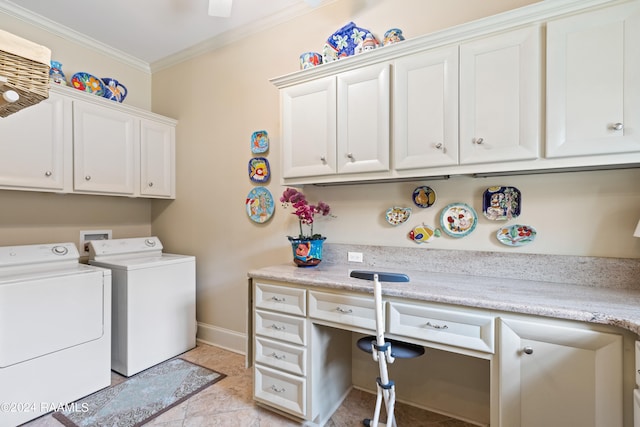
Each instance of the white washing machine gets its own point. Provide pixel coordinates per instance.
(154, 301)
(55, 330)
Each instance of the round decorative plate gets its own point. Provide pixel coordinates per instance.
(259, 170)
(259, 204)
(516, 235)
(88, 83)
(424, 197)
(397, 215)
(501, 203)
(458, 219)
(259, 142)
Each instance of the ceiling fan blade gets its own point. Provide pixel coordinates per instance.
(221, 8)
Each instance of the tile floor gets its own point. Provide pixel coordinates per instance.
(229, 402)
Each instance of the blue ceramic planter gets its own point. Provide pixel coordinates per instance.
(307, 252)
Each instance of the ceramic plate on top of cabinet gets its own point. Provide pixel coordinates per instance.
(88, 83)
(501, 203)
(458, 219)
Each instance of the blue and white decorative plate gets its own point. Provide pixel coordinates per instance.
(347, 39)
(458, 219)
(259, 204)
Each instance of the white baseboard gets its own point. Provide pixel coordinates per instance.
(223, 338)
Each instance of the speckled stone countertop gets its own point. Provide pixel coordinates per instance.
(543, 285)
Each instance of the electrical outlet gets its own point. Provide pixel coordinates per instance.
(87, 236)
(354, 256)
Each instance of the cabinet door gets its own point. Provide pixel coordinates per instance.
(593, 94)
(363, 120)
(34, 147)
(309, 128)
(425, 100)
(500, 97)
(157, 159)
(105, 149)
(558, 376)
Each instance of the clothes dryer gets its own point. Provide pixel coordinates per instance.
(154, 301)
(55, 330)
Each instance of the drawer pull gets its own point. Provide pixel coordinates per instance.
(278, 390)
(278, 299)
(343, 311)
(436, 326)
(278, 328)
(278, 356)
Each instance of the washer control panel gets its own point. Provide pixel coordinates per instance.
(38, 254)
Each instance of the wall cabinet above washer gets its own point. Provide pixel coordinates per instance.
(80, 143)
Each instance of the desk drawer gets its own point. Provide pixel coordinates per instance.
(281, 390)
(450, 327)
(281, 356)
(281, 298)
(281, 326)
(345, 309)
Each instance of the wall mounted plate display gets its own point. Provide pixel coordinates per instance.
(422, 233)
(259, 142)
(259, 170)
(501, 203)
(516, 235)
(397, 215)
(458, 219)
(259, 204)
(424, 196)
(88, 83)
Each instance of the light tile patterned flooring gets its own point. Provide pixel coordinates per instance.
(229, 402)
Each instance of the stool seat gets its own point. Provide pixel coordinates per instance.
(399, 349)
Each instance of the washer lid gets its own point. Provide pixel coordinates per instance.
(102, 249)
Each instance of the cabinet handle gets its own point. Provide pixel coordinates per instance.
(278, 390)
(436, 326)
(87, 178)
(528, 350)
(48, 173)
(150, 184)
(278, 328)
(478, 141)
(350, 156)
(278, 299)
(343, 311)
(277, 356)
(617, 126)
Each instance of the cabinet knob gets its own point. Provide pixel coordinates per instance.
(439, 145)
(617, 126)
(48, 173)
(478, 141)
(323, 159)
(87, 178)
(350, 155)
(150, 184)
(528, 350)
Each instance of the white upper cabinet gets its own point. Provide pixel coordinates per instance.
(500, 97)
(593, 89)
(35, 147)
(425, 115)
(363, 120)
(157, 154)
(309, 128)
(106, 149)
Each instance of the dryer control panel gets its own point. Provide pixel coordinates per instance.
(118, 247)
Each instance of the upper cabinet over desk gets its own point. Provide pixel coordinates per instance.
(79, 143)
(470, 100)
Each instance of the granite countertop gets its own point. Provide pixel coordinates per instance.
(618, 306)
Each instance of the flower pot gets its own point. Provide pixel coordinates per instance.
(307, 252)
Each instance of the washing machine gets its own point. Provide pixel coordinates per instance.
(154, 301)
(55, 330)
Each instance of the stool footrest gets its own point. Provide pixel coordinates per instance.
(399, 349)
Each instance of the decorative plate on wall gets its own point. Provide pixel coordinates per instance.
(424, 196)
(259, 204)
(259, 142)
(259, 170)
(458, 219)
(397, 215)
(501, 203)
(516, 235)
(422, 233)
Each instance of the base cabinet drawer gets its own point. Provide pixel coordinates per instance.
(281, 390)
(344, 309)
(444, 326)
(281, 298)
(282, 356)
(281, 326)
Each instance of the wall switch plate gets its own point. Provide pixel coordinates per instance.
(354, 256)
(87, 235)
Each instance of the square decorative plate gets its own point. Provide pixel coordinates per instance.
(501, 203)
(259, 142)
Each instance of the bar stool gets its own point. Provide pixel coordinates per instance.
(384, 351)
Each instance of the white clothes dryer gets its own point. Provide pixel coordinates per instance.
(154, 301)
(55, 330)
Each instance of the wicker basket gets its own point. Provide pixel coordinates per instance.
(25, 65)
